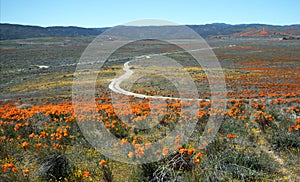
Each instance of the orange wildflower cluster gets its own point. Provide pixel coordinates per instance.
(191, 151)
(231, 136)
(198, 158)
(262, 115)
(296, 126)
(10, 166)
(60, 133)
(11, 112)
(20, 120)
(168, 113)
(185, 150)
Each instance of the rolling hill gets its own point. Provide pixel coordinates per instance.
(215, 30)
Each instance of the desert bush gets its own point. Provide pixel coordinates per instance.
(54, 167)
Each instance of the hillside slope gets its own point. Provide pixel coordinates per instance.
(14, 31)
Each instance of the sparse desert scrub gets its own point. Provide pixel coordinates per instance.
(40, 139)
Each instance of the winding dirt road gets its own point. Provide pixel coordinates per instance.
(115, 84)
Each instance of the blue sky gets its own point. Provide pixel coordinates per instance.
(105, 13)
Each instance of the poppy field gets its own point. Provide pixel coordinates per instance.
(41, 137)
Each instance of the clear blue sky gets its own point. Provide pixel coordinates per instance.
(104, 13)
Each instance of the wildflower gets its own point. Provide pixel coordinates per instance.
(209, 130)
(182, 150)
(102, 162)
(231, 136)
(197, 161)
(11, 165)
(165, 151)
(204, 143)
(25, 144)
(86, 174)
(137, 145)
(44, 134)
(38, 145)
(26, 171)
(199, 154)
(31, 135)
(147, 144)
(4, 168)
(7, 165)
(56, 145)
(124, 140)
(291, 128)
(177, 147)
(14, 169)
(190, 151)
(139, 151)
(130, 154)
(3, 138)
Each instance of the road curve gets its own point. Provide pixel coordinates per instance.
(115, 84)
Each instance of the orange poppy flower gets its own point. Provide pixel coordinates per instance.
(31, 135)
(190, 151)
(209, 130)
(102, 162)
(4, 169)
(86, 174)
(38, 145)
(46, 146)
(11, 165)
(26, 171)
(199, 154)
(197, 161)
(231, 136)
(124, 140)
(43, 134)
(147, 144)
(182, 150)
(165, 151)
(291, 128)
(7, 165)
(56, 145)
(3, 138)
(25, 144)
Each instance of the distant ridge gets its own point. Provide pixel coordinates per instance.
(214, 30)
(15, 31)
(221, 30)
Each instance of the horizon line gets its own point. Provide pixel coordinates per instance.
(78, 26)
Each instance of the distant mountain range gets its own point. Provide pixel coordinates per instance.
(215, 30)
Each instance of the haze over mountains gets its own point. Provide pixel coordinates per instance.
(215, 30)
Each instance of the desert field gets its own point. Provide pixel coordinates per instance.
(42, 138)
